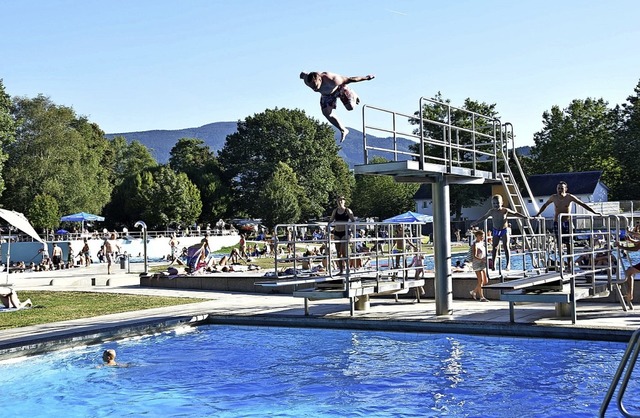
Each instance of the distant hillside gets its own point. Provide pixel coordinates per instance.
(160, 142)
(215, 134)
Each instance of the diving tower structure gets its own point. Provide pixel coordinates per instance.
(443, 145)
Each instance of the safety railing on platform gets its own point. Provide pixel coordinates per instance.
(529, 248)
(367, 248)
(588, 250)
(622, 376)
(452, 137)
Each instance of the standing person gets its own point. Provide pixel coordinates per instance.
(333, 87)
(630, 273)
(173, 244)
(56, 256)
(111, 248)
(562, 203)
(401, 241)
(243, 246)
(479, 265)
(86, 253)
(501, 230)
(70, 256)
(340, 216)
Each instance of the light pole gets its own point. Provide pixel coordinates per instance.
(143, 226)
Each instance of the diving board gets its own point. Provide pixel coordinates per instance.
(552, 279)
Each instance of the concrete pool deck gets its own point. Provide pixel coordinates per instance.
(596, 321)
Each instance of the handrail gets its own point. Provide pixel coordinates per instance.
(628, 361)
(536, 207)
(450, 151)
(380, 237)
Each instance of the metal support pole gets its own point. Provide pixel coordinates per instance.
(441, 247)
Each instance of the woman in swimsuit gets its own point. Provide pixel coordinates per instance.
(341, 215)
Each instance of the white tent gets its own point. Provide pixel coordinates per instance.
(19, 221)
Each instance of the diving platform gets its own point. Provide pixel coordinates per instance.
(377, 262)
(444, 145)
(410, 171)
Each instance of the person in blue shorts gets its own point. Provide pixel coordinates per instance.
(500, 232)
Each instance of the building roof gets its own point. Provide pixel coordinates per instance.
(584, 182)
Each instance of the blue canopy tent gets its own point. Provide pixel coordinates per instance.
(81, 217)
(410, 217)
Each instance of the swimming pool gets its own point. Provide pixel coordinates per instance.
(231, 371)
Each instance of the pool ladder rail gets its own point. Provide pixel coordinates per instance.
(627, 362)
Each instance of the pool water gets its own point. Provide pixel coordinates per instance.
(232, 371)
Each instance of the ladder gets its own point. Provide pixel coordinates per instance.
(627, 362)
(532, 241)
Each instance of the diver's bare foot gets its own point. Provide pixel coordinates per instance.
(344, 134)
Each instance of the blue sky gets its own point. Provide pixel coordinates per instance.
(143, 65)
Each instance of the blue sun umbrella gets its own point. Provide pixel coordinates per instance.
(82, 217)
(62, 232)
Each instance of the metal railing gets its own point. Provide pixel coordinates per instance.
(469, 140)
(370, 248)
(622, 377)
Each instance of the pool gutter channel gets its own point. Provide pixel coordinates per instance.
(34, 344)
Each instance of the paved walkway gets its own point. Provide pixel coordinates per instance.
(596, 321)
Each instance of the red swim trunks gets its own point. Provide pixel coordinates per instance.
(348, 97)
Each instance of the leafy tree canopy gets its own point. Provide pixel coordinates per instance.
(280, 197)
(381, 196)
(194, 158)
(56, 153)
(251, 155)
(580, 137)
(7, 128)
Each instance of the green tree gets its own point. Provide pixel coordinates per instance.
(279, 197)
(250, 157)
(7, 129)
(129, 160)
(163, 197)
(59, 154)
(381, 196)
(580, 137)
(194, 158)
(44, 212)
(626, 149)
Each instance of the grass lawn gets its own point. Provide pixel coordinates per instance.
(51, 306)
(62, 306)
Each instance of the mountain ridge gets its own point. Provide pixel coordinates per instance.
(161, 141)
